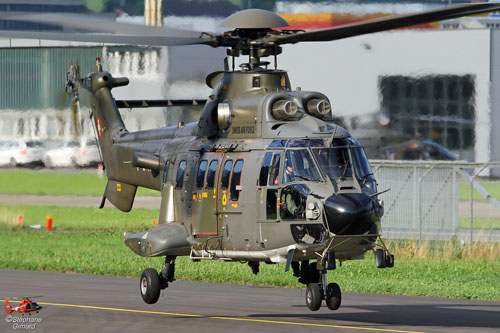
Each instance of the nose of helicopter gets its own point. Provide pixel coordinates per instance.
(350, 213)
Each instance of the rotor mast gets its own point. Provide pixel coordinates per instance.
(251, 27)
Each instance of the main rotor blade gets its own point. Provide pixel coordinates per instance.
(384, 24)
(103, 38)
(98, 23)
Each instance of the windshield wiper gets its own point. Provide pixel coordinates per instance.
(307, 178)
(365, 177)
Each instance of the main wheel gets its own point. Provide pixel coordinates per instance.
(333, 296)
(380, 258)
(150, 285)
(314, 296)
(389, 260)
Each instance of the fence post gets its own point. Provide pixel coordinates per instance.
(472, 203)
(420, 204)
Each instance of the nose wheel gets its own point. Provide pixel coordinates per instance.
(152, 283)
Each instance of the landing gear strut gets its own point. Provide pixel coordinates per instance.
(152, 283)
(317, 287)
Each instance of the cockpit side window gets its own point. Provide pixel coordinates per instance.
(275, 169)
(299, 166)
(264, 169)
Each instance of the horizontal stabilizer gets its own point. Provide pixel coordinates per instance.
(121, 195)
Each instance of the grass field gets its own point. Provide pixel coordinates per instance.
(493, 188)
(54, 183)
(479, 223)
(103, 252)
(79, 218)
(87, 240)
(88, 183)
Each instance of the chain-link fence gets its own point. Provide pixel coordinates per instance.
(439, 200)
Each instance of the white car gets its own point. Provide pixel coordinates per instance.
(71, 153)
(14, 153)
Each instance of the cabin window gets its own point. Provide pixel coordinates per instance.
(275, 170)
(225, 174)
(200, 176)
(165, 172)
(271, 204)
(180, 175)
(264, 170)
(212, 170)
(236, 180)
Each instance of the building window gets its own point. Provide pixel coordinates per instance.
(441, 108)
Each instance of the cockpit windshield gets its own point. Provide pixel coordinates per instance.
(299, 166)
(337, 163)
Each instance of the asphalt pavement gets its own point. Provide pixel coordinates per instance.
(90, 303)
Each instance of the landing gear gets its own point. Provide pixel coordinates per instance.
(152, 283)
(254, 265)
(317, 287)
(383, 259)
(333, 296)
(314, 296)
(150, 286)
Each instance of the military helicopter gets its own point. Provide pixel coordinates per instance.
(265, 175)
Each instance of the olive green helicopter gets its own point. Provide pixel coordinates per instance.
(265, 175)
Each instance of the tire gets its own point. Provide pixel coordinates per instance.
(333, 296)
(314, 296)
(150, 286)
(380, 258)
(389, 261)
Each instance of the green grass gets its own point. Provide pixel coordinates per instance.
(87, 240)
(79, 218)
(104, 253)
(54, 183)
(86, 183)
(493, 188)
(479, 223)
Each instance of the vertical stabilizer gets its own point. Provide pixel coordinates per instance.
(109, 127)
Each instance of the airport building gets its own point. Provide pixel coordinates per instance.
(444, 84)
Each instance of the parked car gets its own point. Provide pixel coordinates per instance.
(71, 154)
(15, 153)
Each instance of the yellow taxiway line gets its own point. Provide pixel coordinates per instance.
(374, 329)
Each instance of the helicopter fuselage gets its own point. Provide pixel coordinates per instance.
(263, 172)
